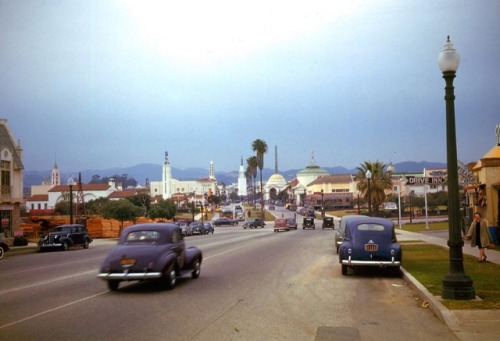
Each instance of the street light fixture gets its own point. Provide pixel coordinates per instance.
(368, 175)
(71, 183)
(456, 283)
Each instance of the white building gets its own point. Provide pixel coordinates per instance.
(242, 181)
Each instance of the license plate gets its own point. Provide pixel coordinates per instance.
(127, 261)
(371, 247)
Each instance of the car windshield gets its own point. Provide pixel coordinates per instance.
(147, 236)
(370, 227)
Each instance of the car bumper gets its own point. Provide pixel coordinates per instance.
(352, 262)
(50, 246)
(130, 276)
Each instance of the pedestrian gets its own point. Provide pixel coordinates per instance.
(480, 236)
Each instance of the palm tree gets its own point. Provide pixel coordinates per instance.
(252, 166)
(380, 181)
(260, 148)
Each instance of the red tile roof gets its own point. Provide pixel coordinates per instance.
(88, 187)
(39, 197)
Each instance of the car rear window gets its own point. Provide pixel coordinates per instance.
(146, 236)
(370, 227)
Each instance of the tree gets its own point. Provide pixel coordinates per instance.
(379, 183)
(94, 206)
(121, 210)
(260, 148)
(142, 200)
(164, 209)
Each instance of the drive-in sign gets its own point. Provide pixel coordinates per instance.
(426, 180)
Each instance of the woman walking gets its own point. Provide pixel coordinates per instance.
(480, 235)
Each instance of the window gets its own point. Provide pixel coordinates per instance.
(5, 176)
(370, 227)
(146, 236)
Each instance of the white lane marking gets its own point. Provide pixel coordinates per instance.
(48, 281)
(51, 310)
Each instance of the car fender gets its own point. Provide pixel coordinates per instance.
(191, 255)
(166, 260)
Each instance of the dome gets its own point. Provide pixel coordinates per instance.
(276, 179)
(313, 170)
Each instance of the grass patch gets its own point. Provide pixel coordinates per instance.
(419, 227)
(429, 263)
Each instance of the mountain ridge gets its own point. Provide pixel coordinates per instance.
(152, 172)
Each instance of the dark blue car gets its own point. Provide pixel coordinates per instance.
(370, 242)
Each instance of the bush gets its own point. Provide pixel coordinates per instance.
(20, 241)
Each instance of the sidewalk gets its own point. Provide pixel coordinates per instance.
(466, 324)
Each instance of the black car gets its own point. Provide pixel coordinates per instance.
(308, 223)
(225, 221)
(150, 252)
(328, 223)
(291, 223)
(197, 228)
(208, 228)
(253, 223)
(64, 237)
(3, 248)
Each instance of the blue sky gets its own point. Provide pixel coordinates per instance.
(100, 84)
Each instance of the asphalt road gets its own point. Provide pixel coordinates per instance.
(254, 285)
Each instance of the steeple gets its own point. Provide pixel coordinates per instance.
(275, 159)
(212, 171)
(56, 176)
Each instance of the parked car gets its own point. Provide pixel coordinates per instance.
(150, 252)
(64, 237)
(328, 223)
(372, 242)
(3, 248)
(340, 233)
(240, 216)
(253, 223)
(308, 223)
(271, 207)
(291, 223)
(209, 228)
(186, 228)
(280, 224)
(197, 227)
(225, 221)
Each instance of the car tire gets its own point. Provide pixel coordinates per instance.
(86, 244)
(197, 269)
(170, 277)
(2, 252)
(337, 249)
(344, 270)
(113, 285)
(65, 246)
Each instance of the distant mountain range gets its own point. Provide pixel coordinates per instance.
(153, 172)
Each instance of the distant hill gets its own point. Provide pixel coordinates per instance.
(152, 172)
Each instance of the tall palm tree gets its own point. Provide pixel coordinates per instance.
(380, 181)
(260, 148)
(252, 166)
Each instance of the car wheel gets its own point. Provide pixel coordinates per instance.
(337, 249)
(65, 246)
(344, 270)
(170, 277)
(197, 269)
(2, 252)
(86, 244)
(113, 285)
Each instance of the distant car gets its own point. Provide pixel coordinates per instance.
(328, 223)
(240, 216)
(3, 248)
(271, 207)
(208, 228)
(150, 252)
(340, 233)
(197, 227)
(225, 221)
(64, 237)
(291, 223)
(370, 242)
(280, 224)
(308, 223)
(253, 223)
(186, 228)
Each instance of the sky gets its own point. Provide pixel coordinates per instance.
(96, 84)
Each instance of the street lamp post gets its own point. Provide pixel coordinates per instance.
(71, 183)
(358, 193)
(322, 203)
(369, 178)
(456, 283)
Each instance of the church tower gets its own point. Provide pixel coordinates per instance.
(211, 173)
(56, 176)
(166, 178)
(242, 181)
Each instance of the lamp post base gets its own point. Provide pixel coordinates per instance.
(458, 286)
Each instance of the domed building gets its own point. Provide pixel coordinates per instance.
(305, 177)
(276, 182)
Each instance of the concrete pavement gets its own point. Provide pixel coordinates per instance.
(466, 324)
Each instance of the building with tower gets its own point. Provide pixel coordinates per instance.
(242, 181)
(276, 182)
